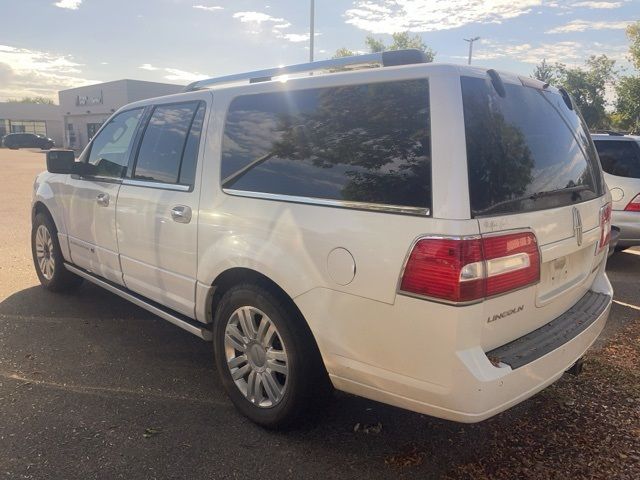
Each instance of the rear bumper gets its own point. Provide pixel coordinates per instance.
(629, 225)
(460, 385)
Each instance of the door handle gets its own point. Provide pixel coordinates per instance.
(103, 199)
(181, 214)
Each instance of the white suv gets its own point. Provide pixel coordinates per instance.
(620, 159)
(429, 236)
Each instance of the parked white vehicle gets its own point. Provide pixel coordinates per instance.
(620, 159)
(429, 236)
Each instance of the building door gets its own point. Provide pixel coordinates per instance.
(92, 129)
(91, 212)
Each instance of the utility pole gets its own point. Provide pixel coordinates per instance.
(470, 40)
(312, 15)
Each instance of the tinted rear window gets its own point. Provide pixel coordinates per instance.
(526, 151)
(620, 158)
(361, 143)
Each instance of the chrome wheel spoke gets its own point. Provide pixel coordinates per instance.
(277, 367)
(241, 372)
(234, 338)
(238, 361)
(272, 387)
(246, 322)
(278, 355)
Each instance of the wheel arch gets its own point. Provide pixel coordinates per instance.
(239, 275)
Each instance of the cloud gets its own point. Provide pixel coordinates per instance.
(208, 9)
(181, 76)
(597, 5)
(570, 52)
(25, 72)
(389, 16)
(148, 66)
(69, 4)
(585, 25)
(257, 17)
(260, 22)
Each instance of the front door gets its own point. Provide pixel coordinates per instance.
(158, 207)
(91, 211)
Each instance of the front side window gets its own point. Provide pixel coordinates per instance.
(164, 143)
(109, 153)
(619, 158)
(526, 151)
(360, 143)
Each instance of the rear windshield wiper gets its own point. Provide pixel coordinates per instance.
(498, 207)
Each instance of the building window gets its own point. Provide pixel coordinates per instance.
(25, 126)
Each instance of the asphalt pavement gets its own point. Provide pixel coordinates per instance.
(94, 387)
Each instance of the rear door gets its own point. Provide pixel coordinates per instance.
(91, 204)
(532, 166)
(158, 207)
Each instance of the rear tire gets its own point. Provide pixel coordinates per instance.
(47, 257)
(266, 357)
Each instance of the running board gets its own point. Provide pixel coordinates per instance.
(174, 317)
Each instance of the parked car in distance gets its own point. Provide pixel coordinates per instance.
(620, 159)
(27, 140)
(429, 236)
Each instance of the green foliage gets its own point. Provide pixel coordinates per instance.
(343, 52)
(587, 87)
(401, 41)
(633, 33)
(38, 100)
(544, 72)
(627, 115)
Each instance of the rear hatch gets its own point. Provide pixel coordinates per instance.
(533, 167)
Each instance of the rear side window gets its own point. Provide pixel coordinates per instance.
(164, 144)
(360, 143)
(526, 151)
(620, 158)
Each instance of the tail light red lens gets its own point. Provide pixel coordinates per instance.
(470, 269)
(605, 227)
(634, 205)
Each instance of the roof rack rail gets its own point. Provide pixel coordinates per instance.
(613, 133)
(386, 59)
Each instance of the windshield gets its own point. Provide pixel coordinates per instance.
(526, 151)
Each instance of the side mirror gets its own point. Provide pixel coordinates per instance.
(60, 161)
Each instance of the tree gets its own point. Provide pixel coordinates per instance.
(587, 87)
(633, 33)
(401, 41)
(38, 100)
(627, 115)
(544, 72)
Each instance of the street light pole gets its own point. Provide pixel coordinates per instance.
(312, 15)
(470, 41)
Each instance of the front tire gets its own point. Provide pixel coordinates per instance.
(267, 360)
(47, 257)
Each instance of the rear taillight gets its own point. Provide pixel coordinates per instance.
(605, 227)
(462, 270)
(634, 205)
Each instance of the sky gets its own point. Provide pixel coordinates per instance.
(50, 45)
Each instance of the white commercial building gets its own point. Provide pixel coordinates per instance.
(85, 109)
(35, 118)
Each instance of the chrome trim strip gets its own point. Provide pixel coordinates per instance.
(197, 331)
(158, 185)
(376, 207)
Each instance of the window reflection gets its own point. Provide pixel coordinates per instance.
(365, 143)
